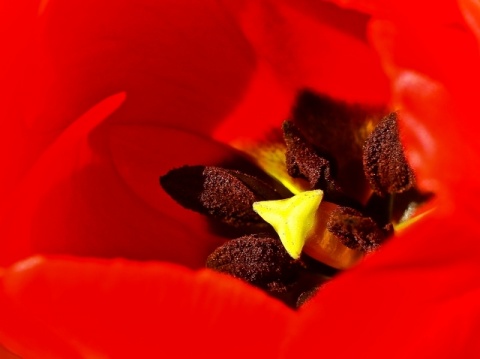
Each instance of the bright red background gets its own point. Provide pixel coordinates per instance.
(98, 98)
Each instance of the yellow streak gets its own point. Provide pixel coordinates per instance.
(401, 226)
(270, 157)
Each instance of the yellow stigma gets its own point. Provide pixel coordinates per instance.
(293, 218)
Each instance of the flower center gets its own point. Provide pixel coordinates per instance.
(338, 185)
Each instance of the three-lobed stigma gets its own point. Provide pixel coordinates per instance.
(292, 218)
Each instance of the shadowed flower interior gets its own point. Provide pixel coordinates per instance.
(359, 188)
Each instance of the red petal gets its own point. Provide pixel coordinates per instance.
(424, 12)
(96, 193)
(471, 11)
(317, 49)
(109, 202)
(175, 62)
(17, 27)
(445, 53)
(119, 309)
(417, 298)
(302, 45)
(66, 156)
(432, 71)
(6, 354)
(186, 66)
(266, 104)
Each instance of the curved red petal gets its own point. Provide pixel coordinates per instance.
(431, 148)
(17, 27)
(89, 209)
(432, 86)
(67, 155)
(416, 298)
(317, 50)
(425, 12)
(267, 102)
(186, 66)
(176, 62)
(471, 12)
(121, 309)
(96, 192)
(448, 54)
(302, 45)
(7, 354)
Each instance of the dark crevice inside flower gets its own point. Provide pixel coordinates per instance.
(357, 187)
(338, 131)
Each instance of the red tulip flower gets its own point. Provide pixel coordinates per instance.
(99, 98)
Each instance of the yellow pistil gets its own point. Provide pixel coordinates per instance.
(292, 218)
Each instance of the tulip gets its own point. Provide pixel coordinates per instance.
(99, 98)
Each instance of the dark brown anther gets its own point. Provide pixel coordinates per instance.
(226, 195)
(355, 230)
(303, 161)
(258, 260)
(384, 162)
(339, 130)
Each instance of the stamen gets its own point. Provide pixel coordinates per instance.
(223, 194)
(338, 129)
(386, 167)
(355, 230)
(257, 259)
(325, 247)
(303, 161)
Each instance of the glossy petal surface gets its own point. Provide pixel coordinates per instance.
(76, 190)
(71, 308)
(101, 196)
